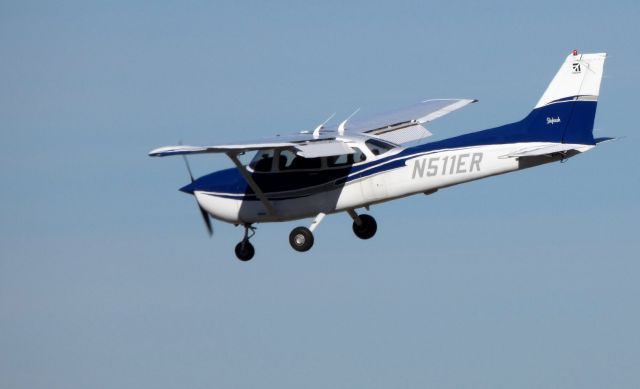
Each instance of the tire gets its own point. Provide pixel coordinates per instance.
(245, 251)
(301, 239)
(367, 229)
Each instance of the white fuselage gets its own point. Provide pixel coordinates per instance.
(419, 173)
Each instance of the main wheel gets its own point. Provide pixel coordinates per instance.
(301, 239)
(367, 229)
(245, 251)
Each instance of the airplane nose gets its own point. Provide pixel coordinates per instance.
(189, 188)
(221, 181)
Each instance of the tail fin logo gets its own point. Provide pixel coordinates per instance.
(576, 68)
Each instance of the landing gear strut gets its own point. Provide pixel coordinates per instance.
(244, 249)
(364, 226)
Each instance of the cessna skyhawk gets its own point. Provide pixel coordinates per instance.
(360, 162)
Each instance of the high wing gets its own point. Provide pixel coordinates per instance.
(224, 148)
(303, 144)
(399, 126)
(405, 125)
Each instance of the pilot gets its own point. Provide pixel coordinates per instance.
(264, 164)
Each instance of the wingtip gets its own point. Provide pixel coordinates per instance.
(157, 152)
(164, 151)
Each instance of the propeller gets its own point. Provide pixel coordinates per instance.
(205, 214)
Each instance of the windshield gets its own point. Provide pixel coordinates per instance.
(263, 161)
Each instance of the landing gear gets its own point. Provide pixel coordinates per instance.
(301, 239)
(244, 249)
(364, 226)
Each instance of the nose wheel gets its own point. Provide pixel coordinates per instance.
(245, 250)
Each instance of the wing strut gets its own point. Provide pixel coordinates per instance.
(256, 189)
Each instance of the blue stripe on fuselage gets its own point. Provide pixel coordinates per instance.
(562, 121)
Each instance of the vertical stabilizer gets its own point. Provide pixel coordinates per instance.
(566, 111)
(579, 76)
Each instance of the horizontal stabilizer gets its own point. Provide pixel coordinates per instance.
(604, 139)
(547, 150)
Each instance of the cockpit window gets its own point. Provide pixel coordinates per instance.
(346, 159)
(378, 147)
(339, 160)
(285, 160)
(288, 160)
(263, 161)
(358, 155)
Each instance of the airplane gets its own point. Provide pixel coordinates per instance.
(362, 162)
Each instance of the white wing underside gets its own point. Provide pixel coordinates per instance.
(306, 148)
(400, 126)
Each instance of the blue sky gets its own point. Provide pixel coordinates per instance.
(107, 277)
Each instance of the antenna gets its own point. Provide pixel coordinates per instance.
(342, 125)
(316, 132)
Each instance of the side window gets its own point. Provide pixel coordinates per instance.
(378, 147)
(263, 161)
(346, 159)
(307, 163)
(358, 155)
(286, 159)
(340, 160)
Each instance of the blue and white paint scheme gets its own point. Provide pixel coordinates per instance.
(361, 162)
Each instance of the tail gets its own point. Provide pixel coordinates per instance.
(566, 111)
